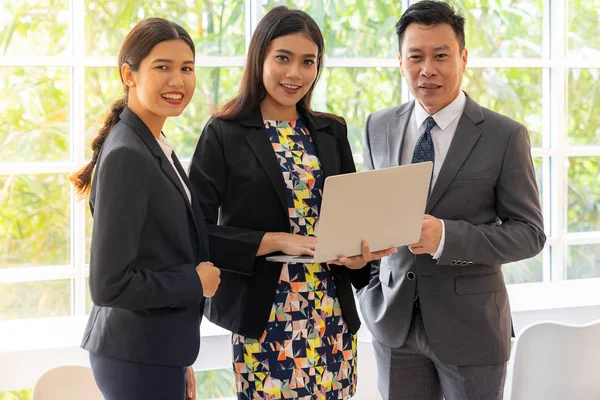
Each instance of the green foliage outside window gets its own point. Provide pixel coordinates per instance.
(583, 213)
(35, 114)
(34, 27)
(582, 40)
(16, 395)
(34, 220)
(514, 92)
(583, 107)
(214, 86)
(352, 28)
(583, 261)
(35, 210)
(353, 93)
(217, 26)
(35, 299)
(503, 28)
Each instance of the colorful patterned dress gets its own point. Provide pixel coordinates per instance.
(306, 351)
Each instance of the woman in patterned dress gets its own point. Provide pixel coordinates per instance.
(258, 171)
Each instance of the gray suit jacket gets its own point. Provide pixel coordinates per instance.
(487, 195)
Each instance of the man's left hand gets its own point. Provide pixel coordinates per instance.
(357, 262)
(431, 234)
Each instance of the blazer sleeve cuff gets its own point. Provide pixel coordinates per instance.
(234, 250)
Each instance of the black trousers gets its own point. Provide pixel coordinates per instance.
(124, 380)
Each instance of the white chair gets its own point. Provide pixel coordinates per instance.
(67, 382)
(550, 361)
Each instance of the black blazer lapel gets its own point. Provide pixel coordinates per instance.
(466, 136)
(258, 141)
(326, 145)
(194, 208)
(140, 128)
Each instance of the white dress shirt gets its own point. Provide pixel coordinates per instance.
(442, 133)
(168, 150)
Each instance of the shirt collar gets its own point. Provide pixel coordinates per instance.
(446, 115)
(164, 144)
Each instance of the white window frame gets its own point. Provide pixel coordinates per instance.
(555, 151)
(59, 343)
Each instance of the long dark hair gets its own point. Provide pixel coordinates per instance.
(137, 45)
(280, 21)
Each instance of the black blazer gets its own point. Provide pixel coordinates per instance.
(238, 180)
(146, 242)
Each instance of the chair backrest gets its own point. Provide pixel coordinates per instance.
(551, 361)
(67, 382)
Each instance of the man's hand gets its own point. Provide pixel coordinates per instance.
(357, 262)
(431, 234)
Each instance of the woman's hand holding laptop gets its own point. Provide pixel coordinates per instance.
(287, 243)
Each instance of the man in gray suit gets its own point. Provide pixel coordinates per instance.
(438, 309)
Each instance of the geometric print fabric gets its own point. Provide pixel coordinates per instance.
(306, 351)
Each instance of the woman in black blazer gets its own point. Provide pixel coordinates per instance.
(258, 171)
(149, 272)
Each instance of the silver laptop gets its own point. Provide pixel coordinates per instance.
(383, 207)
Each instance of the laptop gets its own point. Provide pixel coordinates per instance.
(383, 207)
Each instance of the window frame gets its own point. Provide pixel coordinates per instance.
(555, 151)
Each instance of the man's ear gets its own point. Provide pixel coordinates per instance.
(465, 57)
(400, 63)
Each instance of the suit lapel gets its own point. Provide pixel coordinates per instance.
(325, 145)
(194, 208)
(466, 136)
(146, 135)
(168, 169)
(395, 133)
(258, 141)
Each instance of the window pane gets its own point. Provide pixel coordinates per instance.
(216, 26)
(584, 194)
(583, 261)
(34, 27)
(34, 220)
(352, 28)
(214, 86)
(35, 299)
(215, 384)
(354, 93)
(582, 38)
(524, 271)
(514, 92)
(584, 103)
(35, 113)
(510, 28)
